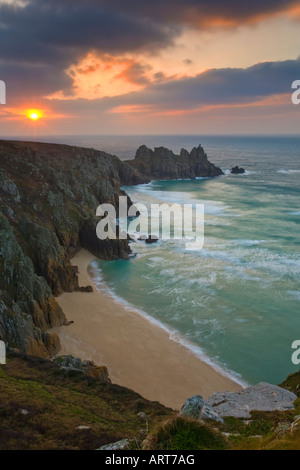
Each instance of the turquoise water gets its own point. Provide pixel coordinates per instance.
(236, 301)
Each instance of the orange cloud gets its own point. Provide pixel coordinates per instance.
(134, 108)
(294, 12)
(105, 76)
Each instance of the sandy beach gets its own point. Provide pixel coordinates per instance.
(138, 354)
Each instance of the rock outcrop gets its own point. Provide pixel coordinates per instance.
(162, 163)
(88, 368)
(237, 171)
(261, 397)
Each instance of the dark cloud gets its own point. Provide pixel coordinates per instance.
(29, 82)
(231, 85)
(202, 12)
(61, 30)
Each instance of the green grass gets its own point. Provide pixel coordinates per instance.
(182, 433)
(58, 403)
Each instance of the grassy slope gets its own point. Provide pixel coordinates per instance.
(58, 402)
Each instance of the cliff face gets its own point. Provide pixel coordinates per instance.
(162, 163)
(48, 200)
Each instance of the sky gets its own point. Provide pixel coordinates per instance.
(149, 67)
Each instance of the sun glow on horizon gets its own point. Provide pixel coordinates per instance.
(34, 114)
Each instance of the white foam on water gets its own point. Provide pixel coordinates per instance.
(227, 172)
(153, 195)
(220, 255)
(168, 272)
(241, 273)
(173, 334)
(287, 172)
(295, 294)
(248, 242)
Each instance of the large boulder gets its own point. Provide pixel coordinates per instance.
(261, 397)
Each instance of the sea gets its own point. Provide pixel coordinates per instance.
(236, 302)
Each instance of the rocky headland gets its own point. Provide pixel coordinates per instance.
(162, 163)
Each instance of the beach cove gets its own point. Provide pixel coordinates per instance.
(138, 354)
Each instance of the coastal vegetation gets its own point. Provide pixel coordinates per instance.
(46, 407)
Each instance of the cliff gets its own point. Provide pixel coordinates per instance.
(48, 199)
(162, 163)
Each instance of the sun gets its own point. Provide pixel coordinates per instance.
(34, 114)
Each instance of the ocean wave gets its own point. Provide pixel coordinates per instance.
(283, 171)
(295, 294)
(173, 334)
(248, 242)
(295, 213)
(147, 194)
(227, 172)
